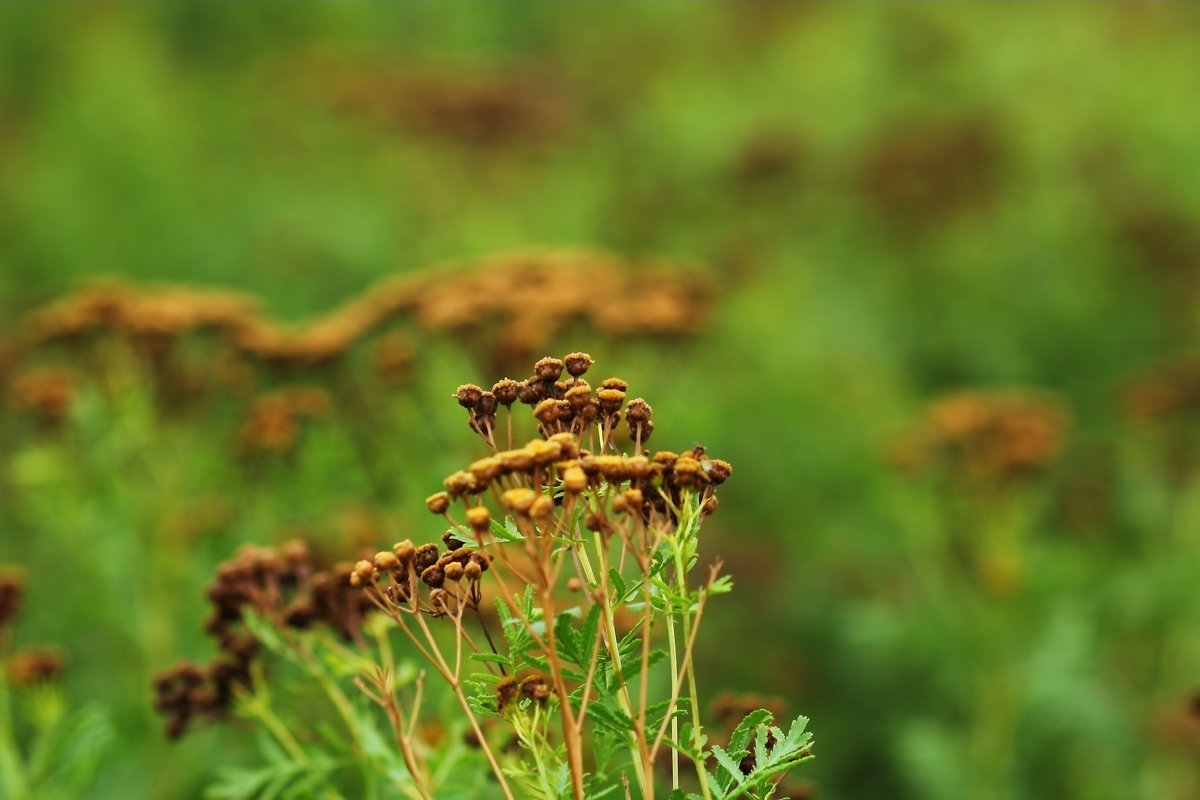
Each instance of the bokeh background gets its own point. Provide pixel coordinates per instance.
(927, 275)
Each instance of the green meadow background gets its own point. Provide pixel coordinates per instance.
(886, 201)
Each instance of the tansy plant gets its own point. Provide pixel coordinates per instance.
(559, 618)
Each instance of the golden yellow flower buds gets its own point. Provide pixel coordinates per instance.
(438, 503)
(519, 501)
(364, 572)
(574, 480)
(568, 443)
(478, 518)
(386, 559)
(542, 508)
(404, 551)
(618, 384)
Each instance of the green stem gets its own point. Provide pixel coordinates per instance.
(687, 528)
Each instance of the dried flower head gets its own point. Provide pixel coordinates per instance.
(995, 437)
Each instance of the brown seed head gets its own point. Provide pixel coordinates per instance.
(472, 571)
(548, 369)
(454, 571)
(426, 556)
(438, 597)
(536, 688)
(506, 391)
(438, 503)
(506, 691)
(434, 575)
(577, 363)
(638, 411)
(529, 391)
(610, 400)
(574, 584)
(547, 411)
(468, 396)
(487, 405)
(579, 397)
(718, 470)
(617, 384)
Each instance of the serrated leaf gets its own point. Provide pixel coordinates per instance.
(491, 658)
(504, 531)
(742, 734)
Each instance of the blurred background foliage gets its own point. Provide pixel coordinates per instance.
(868, 207)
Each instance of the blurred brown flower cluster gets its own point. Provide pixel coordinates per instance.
(193, 342)
(280, 585)
(990, 438)
(29, 665)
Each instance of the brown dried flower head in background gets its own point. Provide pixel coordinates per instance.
(30, 665)
(44, 393)
(282, 586)
(274, 421)
(993, 437)
(517, 303)
(12, 590)
(1168, 394)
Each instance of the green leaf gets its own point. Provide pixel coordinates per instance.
(503, 531)
(742, 734)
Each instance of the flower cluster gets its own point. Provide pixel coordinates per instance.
(481, 112)
(576, 451)
(397, 577)
(274, 421)
(1166, 394)
(28, 665)
(280, 585)
(991, 437)
(45, 393)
